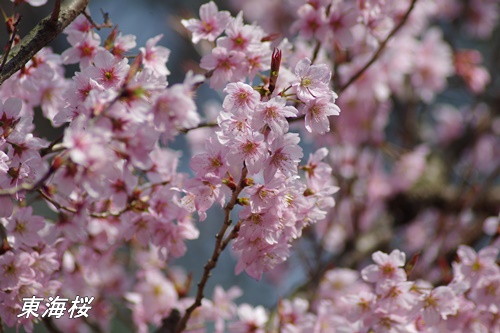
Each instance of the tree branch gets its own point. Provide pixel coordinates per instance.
(379, 50)
(219, 245)
(40, 36)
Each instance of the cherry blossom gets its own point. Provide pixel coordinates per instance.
(312, 80)
(211, 24)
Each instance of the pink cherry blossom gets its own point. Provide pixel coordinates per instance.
(311, 21)
(317, 112)
(84, 48)
(285, 155)
(240, 98)
(249, 148)
(24, 227)
(107, 70)
(438, 304)
(312, 80)
(273, 113)
(240, 37)
(226, 66)
(155, 57)
(211, 24)
(387, 267)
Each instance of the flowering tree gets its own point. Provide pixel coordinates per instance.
(400, 126)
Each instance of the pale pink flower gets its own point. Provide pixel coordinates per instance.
(294, 315)
(155, 57)
(311, 21)
(409, 168)
(312, 80)
(4, 159)
(107, 70)
(433, 65)
(258, 59)
(213, 161)
(175, 109)
(285, 156)
(9, 115)
(440, 303)
(84, 47)
(122, 44)
(361, 304)
(249, 148)
(13, 267)
(264, 196)
(24, 226)
(475, 266)
(317, 111)
(157, 293)
(206, 191)
(481, 17)
(233, 125)
(224, 307)
(273, 113)
(317, 172)
(487, 291)
(395, 296)
(467, 65)
(226, 66)
(387, 267)
(80, 25)
(240, 37)
(211, 24)
(341, 18)
(251, 320)
(240, 98)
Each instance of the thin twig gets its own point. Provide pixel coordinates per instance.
(380, 49)
(40, 36)
(219, 243)
(11, 42)
(27, 187)
(56, 11)
(232, 235)
(107, 23)
(204, 124)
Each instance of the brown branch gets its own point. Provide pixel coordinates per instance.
(40, 36)
(379, 50)
(232, 235)
(56, 11)
(219, 244)
(72, 210)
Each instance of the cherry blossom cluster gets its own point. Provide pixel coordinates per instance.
(379, 298)
(406, 172)
(254, 137)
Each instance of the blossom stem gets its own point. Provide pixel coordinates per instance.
(28, 187)
(380, 49)
(11, 42)
(204, 124)
(56, 11)
(220, 244)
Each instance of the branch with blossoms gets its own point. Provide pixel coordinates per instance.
(49, 28)
(395, 169)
